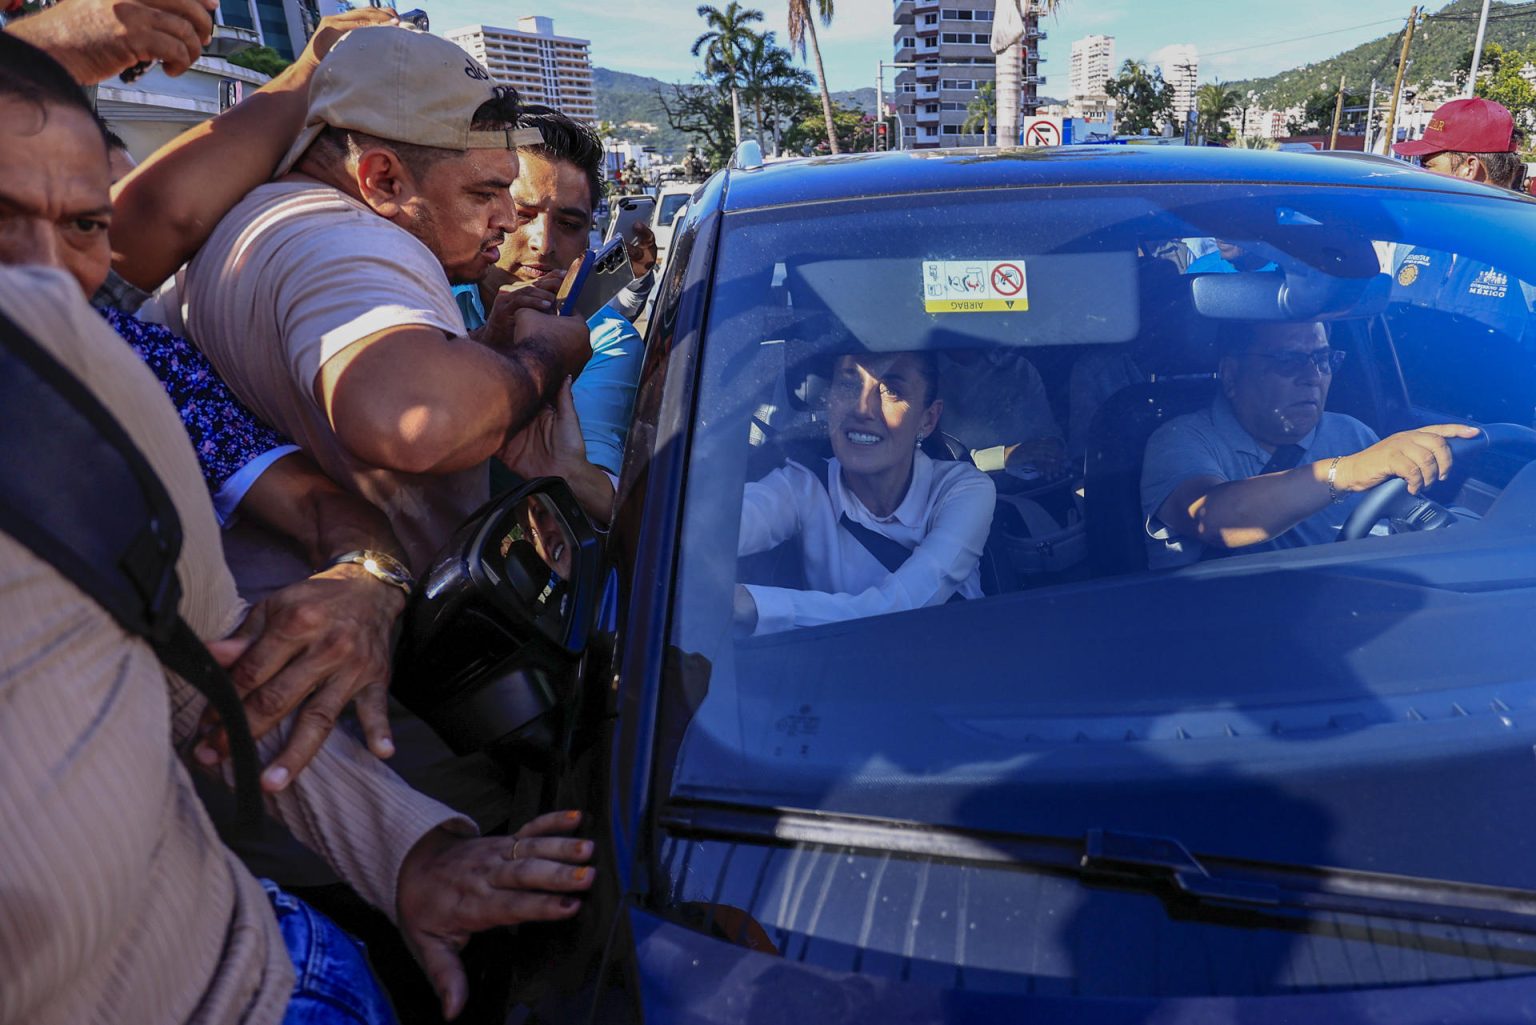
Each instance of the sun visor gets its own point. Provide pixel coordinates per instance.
(990, 299)
(1289, 295)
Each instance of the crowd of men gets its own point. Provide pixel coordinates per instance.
(367, 275)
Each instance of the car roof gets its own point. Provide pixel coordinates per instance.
(819, 179)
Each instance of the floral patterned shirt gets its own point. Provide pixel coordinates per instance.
(233, 446)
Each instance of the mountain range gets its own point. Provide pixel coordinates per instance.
(1441, 46)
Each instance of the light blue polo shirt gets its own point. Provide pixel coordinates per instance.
(1211, 443)
(604, 392)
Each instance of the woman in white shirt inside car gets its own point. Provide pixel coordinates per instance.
(878, 488)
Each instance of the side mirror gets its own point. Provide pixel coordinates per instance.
(498, 619)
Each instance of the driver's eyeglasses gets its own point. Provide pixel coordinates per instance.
(1294, 364)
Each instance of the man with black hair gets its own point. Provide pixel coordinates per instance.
(559, 181)
(323, 298)
(1472, 138)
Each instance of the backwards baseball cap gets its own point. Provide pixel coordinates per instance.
(402, 86)
(1464, 126)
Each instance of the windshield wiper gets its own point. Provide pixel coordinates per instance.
(1155, 864)
(1160, 863)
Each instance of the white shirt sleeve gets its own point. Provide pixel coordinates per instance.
(770, 508)
(938, 567)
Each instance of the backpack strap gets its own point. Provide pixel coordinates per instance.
(77, 492)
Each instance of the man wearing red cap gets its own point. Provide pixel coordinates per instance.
(1474, 139)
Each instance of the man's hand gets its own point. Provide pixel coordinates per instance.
(551, 445)
(451, 887)
(642, 251)
(1421, 457)
(331, 29)
(314, 645)
(538, 296)
(96, 39)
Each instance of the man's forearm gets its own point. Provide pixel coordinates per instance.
(295, 499)
(1240, 513)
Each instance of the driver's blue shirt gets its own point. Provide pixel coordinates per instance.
(1211, 443)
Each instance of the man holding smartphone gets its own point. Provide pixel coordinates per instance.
(558, 185)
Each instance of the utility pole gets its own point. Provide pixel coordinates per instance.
(1338, 109)
(1397, 86)
(1370, 115)
(1477, 50)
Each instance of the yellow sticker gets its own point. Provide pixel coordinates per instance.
(975, 286)
(1407, 274)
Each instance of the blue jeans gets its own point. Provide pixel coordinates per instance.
(333, 985)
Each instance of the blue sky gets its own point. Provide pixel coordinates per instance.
(1236, 38)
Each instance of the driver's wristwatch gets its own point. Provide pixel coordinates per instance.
(381, 565)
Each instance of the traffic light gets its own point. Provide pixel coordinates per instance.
(881, 142)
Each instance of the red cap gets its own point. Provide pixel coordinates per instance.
(1464, 126)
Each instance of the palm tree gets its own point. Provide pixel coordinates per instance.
(1008, 62)
(767, 72)
(1213, 102)
(982, 109)
(802, 24)
(724, 48)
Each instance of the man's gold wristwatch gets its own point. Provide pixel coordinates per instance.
(381, 565)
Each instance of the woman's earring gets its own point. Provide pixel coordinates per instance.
(919, 442)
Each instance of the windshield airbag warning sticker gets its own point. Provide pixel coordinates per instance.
(974, 286)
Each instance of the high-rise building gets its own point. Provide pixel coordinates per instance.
(1181, 69)
(544, 68)
(950, 41)
(1093, 64)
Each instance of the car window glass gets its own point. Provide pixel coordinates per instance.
(1055, 643)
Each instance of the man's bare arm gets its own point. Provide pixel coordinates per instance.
(415, 400)
(96, 39)
(1236, 514)
(166, 208)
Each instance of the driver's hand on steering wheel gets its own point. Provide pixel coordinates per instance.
(1421, 457)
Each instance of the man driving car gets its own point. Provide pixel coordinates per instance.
(1266, 466)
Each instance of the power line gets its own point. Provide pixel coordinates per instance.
(1297, 39)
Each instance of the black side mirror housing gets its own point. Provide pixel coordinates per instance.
(503, 611)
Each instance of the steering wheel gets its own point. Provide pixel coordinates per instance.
(1391, 498)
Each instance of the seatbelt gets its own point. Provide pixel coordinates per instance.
(77, 492)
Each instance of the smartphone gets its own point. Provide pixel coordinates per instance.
(629, 211)
(594, 280)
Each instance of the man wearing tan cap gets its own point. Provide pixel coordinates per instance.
(324, 299)
(1475, 139)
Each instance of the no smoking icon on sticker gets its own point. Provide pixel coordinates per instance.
(1007, 279)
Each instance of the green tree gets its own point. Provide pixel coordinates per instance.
(703, 113)
(854, 131)
(1143, 100)
(1317, 111)
(981, 112)
(1213, 102)
(772, 85)
(802, 25)
(262, 59)
(1499, 80)
(724, 47)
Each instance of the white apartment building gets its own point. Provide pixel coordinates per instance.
(543, 67)
(1093, 63)
(950, 41)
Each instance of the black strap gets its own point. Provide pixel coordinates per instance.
(77, 492)
(892, 554)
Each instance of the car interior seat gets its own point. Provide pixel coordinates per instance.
(1178, 347)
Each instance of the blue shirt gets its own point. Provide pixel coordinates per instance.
(1456, 284)
(1211, 443)
(605, 391)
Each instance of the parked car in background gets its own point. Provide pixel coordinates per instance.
(671, 199)
(1290, 786)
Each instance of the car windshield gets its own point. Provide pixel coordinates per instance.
(929, 571)
(670, 205)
